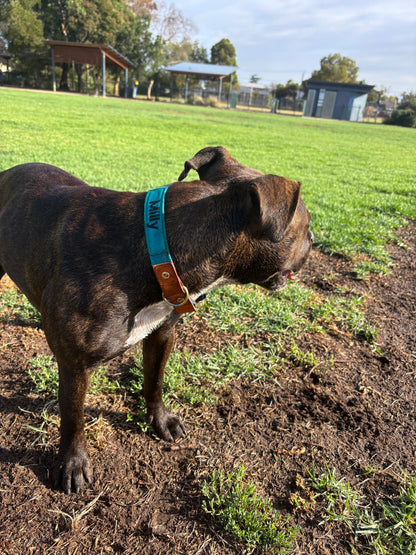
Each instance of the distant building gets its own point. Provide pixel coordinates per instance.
(256, 94)
(336, 100)
(4, 61)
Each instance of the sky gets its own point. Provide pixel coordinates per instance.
(281, 40)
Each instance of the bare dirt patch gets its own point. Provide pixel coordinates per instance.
(146, 496)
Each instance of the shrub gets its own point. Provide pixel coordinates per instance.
(404, 118)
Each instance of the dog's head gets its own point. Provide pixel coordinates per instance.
(276, 239)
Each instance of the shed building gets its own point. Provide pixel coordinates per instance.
(336, 100)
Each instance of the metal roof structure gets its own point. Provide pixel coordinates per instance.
(207, 72)
(203, 71)
(87, 53)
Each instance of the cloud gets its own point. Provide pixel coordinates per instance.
(279, 36)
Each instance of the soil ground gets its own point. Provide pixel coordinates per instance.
(356, 413)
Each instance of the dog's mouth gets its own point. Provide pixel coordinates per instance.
(278, 281)
(289, 275)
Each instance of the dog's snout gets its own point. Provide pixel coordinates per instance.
(311, 236)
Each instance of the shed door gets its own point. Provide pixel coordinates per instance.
(309, 103)
(328, 105)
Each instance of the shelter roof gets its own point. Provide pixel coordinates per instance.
(203, 71)
(87, 53)
(360, 87)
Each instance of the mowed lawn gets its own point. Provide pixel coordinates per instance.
(359, 183)
(359, 180)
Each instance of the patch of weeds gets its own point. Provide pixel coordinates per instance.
(308, 360)
(286, 314)
(49, 421)
(135, 386)
(251, 310)
(382, 528)
(17, 303)
(44, 374)
(248, 518)
(348, 312)
(101, 383)
(365, 267)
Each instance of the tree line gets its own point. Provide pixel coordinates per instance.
(150, 34)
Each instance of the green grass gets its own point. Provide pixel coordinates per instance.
(359, 180)
(247, 517)
(266, 328)
(44, 375)
(286, 314)
(12, 301)
(384, 528)
(359, 183)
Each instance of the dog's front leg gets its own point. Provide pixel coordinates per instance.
(156, 350)
(73, 466)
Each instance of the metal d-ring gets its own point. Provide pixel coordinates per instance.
(185, 290)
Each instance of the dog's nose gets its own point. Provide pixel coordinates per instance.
(311, 236)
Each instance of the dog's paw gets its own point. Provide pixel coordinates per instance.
(72, 471)
(166, 425)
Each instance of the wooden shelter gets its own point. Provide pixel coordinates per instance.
(87, 53)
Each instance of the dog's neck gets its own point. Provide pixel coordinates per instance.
(212, 228)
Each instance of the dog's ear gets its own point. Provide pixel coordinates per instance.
(273, 201)
(203, 159)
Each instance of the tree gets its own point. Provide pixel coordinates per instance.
(198, 54)
(337, 68)
(142, 7)
(96, 21)
(170, 24)
(223, 53)
(136, 42)
(4, 10)
(288, 90)
(24, 30)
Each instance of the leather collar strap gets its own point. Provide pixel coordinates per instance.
(173, 290)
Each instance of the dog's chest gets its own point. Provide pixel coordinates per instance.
(151, 317)
(146, 321)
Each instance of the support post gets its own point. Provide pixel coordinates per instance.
(186, 88)
(73, 76)
(53, 72)
(220, 90)
(103, 74)
(171, 87)
(126, 81)
(230, 90)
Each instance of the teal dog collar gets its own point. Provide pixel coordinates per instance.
(173, 290)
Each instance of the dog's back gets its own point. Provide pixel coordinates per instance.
(23, 203)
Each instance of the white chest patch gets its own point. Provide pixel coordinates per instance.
(146, 321)
(150, 318)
